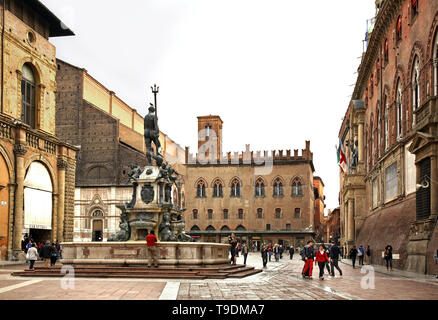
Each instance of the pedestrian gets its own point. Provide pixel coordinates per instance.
(327, 263)
(32, 255)
(280, 251)
(46, 253)
(334, 258)
(276, 252)
(322, 259)
(233, 247)
(151, 243)
(352, 255)
(264, 252)
(388, 257)
(291, 252)
(368, 255)
(58, 249)
(270, 251)
(53, 255)
(244, 252)
(308, 256)
(361, 254)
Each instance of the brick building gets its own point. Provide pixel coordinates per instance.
(261, 198)
(37, 170)
(110, 136)
(332, 225)
(391, 194)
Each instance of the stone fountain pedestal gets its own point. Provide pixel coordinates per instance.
(151, 208)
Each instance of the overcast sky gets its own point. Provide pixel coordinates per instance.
(278, 72)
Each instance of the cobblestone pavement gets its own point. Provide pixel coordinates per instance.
(279, 281)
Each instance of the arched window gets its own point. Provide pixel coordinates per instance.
(386, 123)
(398, 29)
(297, 213)
(415, 88)
(225, 228)
(235, 188)
(200, 189)
(195, 214)
(399, 106)
(210, 228)
(28, 98)
(435, 63)
(260, 188)
(372, 144)
(278, 188)
(240, 214)
(259, 213)
(97, 213)
(278, 213)
(217, 189)
(386, 51)
(297, 187)
(240, 228)
(195, 228)
(378, 132)
(414, 9)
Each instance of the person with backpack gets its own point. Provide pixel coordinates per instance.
(322, 259)
(308, 257)
(53, 255)
(361, 254)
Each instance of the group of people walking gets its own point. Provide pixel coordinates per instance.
(236, 248)
(326, 258)
(50, 253)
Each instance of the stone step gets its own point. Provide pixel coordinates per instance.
(113, 275)
(244, 274)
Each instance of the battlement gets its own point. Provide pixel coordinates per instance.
(250, 157)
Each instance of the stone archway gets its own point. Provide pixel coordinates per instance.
(4, 207)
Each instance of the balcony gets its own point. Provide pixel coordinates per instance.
(11, 130)
(427, 113)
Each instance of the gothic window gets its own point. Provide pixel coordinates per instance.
(217, 189)
(372, 144)
(398, 29)
(195, 214)
(386, 124)
(240, 228)
(399, 106)
(297, 187)
(225, 214)
(260, 188)
(278, 188)
(210, 228)
(235, 188)
(225, 228)
(435, 63)
(240, 214)
(28, 99)
(414, 9)
(200, 189)
(210, 214)
(415, 88)
(195, 228)
(297, 213)
(97, 213)
(278, 213)
(378, 132)
(386, 51)
(259, 213)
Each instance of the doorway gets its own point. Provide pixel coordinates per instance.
(4, 207)
(97, 234)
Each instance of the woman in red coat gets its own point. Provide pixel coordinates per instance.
(321, 258)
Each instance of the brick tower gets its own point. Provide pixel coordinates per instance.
(210, 135)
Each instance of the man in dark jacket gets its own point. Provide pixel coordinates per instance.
(334, 258)
(309, 255)
(46, 253)
(291, 252)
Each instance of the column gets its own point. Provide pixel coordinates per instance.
(19, 151)
(345, 222)
(433, 186)
(62, 166)
(361, 144)
(351, 231)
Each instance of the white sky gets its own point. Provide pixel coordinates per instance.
(278, 72)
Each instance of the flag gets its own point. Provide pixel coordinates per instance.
(342, 159)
